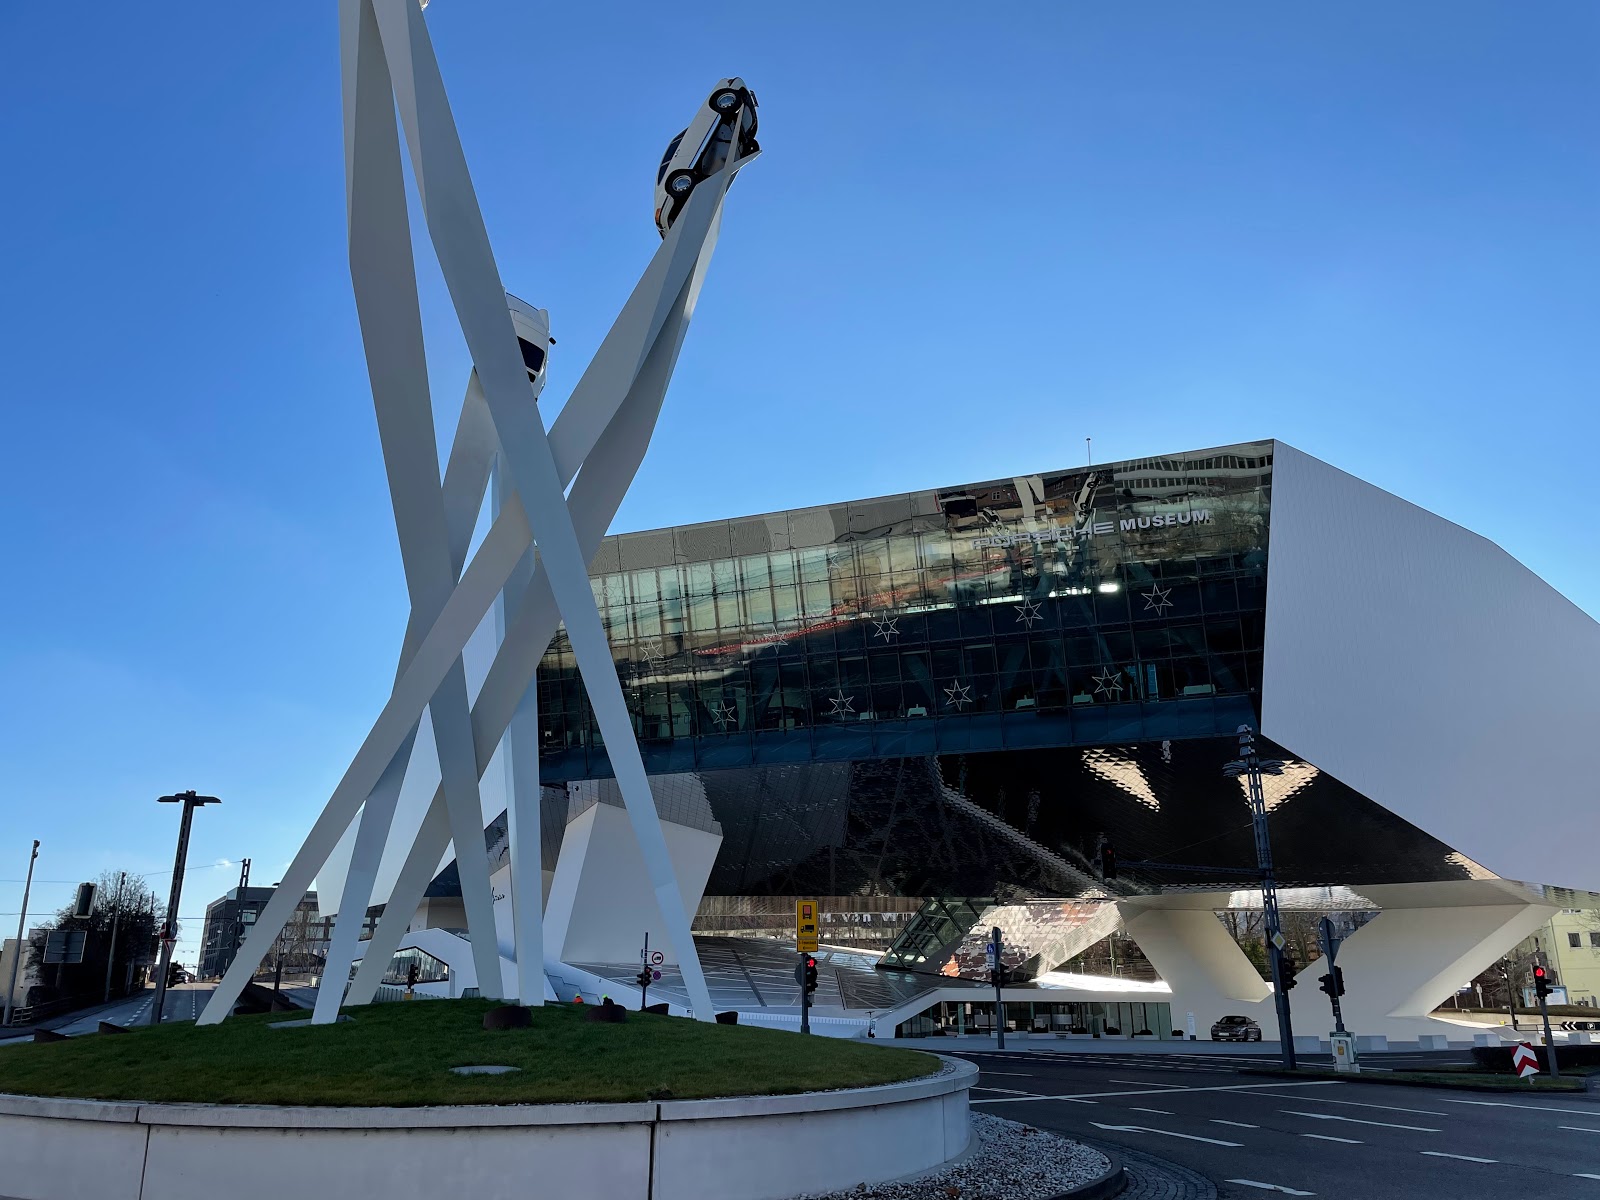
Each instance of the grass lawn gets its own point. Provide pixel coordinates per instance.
(400, 1054)
(1466, 1078)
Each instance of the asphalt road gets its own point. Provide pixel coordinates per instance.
(1258, 1136)
(184, 1003)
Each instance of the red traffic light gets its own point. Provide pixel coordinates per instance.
(1538, 972)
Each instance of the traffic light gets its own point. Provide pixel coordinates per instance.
(643, 977)
(1333, 982)
(811, 974)
(1290, 968)
(1541, 982)
(999, 975)
(1108, 859)
(412, 974)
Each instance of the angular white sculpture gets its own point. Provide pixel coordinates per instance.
(533, 558)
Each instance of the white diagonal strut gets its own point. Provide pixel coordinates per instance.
(605, 427)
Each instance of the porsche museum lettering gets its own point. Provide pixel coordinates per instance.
(1097, 529)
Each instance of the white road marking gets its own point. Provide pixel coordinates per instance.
(1271, 1187)
(1426, 1112)
(1160, 1112)
(1462, 1157)
(1582, 1175)
(1578, 1128)
(1315, 1116)
(1171, 1090)
(1018, 1074)
(1188, 1137)
(1006, 1091)
(1238, 1124)
(1582, 1112)
(1146, 1083)
(1324, 1137)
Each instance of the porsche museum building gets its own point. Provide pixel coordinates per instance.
(930, 709)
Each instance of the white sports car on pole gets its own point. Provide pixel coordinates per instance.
(726, 120)
(533, 337)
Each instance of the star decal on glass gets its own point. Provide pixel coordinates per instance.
(1108, 682)
(1028, 612)
(842, 705)
(888, 628)
(958, 695)
(654, 654)
(724, 715)
(1157, 598)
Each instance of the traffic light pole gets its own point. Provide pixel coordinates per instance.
(1549, 1041)
(1249, 765)
(805, 995)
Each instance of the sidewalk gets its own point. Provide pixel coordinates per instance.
(17, 1033)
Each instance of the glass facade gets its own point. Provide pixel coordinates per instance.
(1111, 604)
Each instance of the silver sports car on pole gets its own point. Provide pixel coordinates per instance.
(726, 123)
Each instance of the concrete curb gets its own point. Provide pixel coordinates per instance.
(1112, 1183)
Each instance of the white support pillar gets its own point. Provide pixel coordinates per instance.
(1195, 956)
(519, 751)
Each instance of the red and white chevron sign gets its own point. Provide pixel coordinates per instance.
(1524, 1061)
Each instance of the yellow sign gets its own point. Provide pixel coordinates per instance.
(805, 926)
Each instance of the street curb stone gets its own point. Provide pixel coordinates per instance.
(1113, 1183)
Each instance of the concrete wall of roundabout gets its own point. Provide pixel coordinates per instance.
(742, 1148)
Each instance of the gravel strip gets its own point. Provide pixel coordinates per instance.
(1007, 1161)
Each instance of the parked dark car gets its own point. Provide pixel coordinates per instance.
(1236, 1029)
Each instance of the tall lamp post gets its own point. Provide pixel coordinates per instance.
(169, 927)
(1250, 765)
(16, 959)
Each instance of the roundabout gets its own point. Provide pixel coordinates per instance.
(655, 1106)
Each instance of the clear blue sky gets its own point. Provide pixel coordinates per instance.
(979, 234)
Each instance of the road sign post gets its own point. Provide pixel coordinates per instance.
(1525, 1062)
(994, 952)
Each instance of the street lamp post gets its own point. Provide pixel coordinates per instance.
(169, 928)
(1252, 767)
(22, 920)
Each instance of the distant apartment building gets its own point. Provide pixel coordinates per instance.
(303, 945)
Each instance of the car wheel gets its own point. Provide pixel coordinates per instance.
(726, 101)
(680, 183)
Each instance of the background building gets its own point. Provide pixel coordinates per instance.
(954, 698)
(302, 947)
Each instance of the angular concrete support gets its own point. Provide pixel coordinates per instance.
(600, 900)
(1194, 954)
(1410, 959)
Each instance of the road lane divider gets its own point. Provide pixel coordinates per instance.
(1188, 1137)
(1271, 1187)
(1316, 1116)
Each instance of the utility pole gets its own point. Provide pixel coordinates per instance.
(1250, 765)
(22, 920)
(169, 928)
(1511, 995)
(116, 917)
